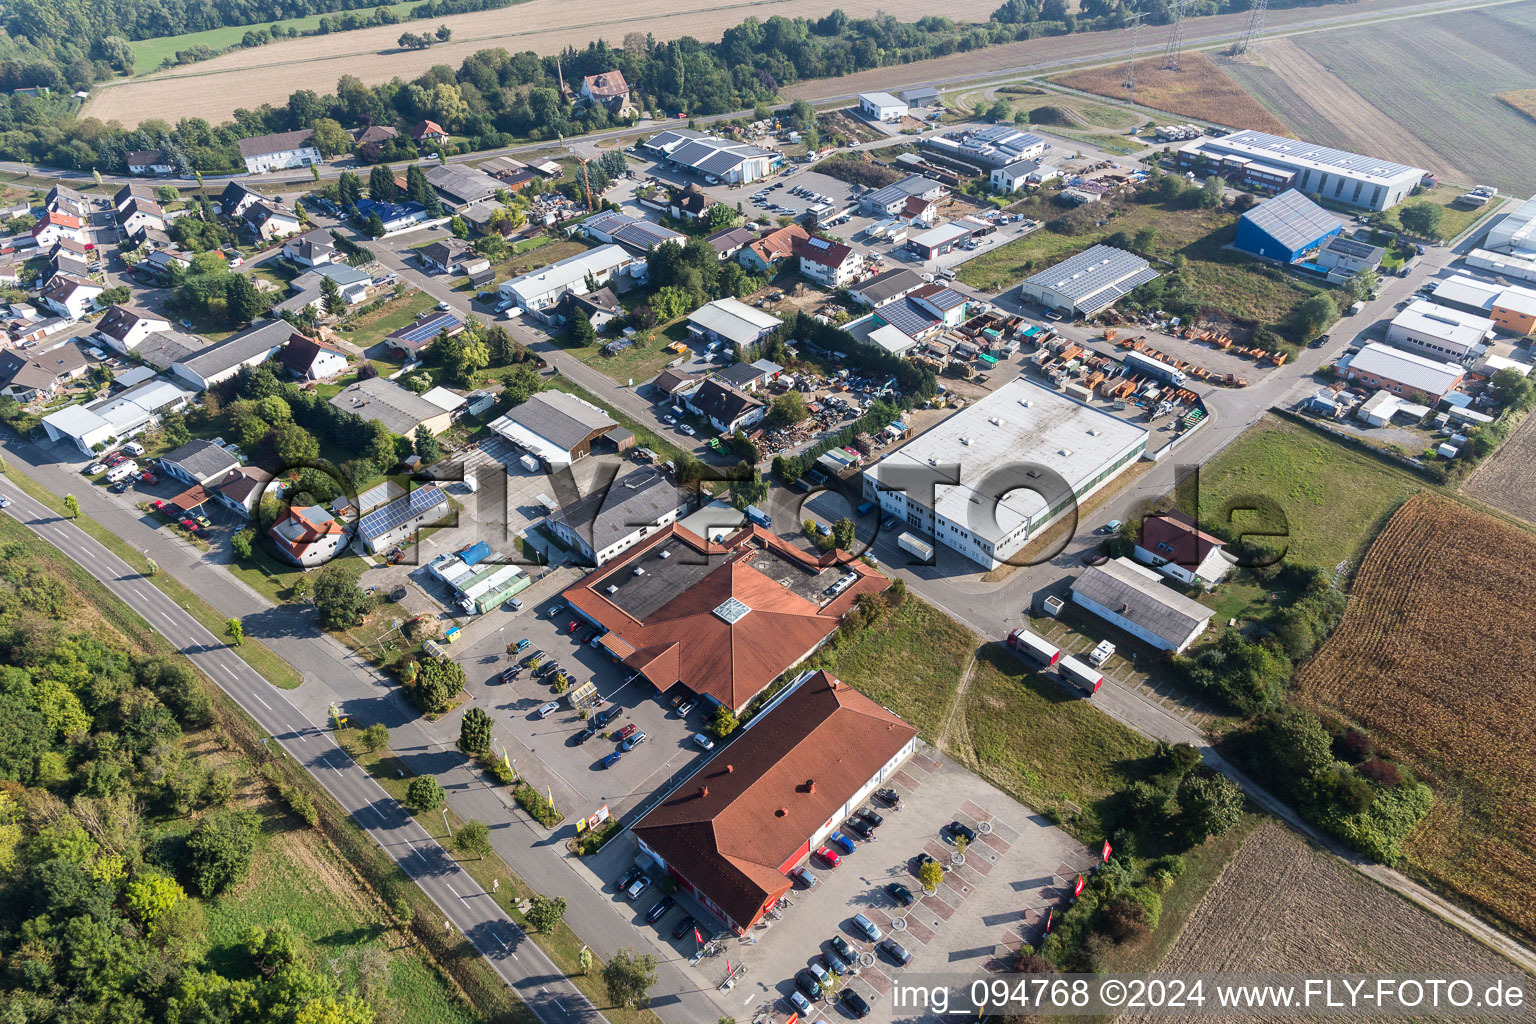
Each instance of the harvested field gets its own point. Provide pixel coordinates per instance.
(1348, 89)
(1434, 658)
(1523, 100)
(1508, 480)
(268, 74)
(1282, 906)
(1200, 90)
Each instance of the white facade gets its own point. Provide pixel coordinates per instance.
(1141, 605)
(1014, 176)
(541, 290)
(305, 155)
(1515, 232)
(1439, 332)
(1366, 182)
(1521, 267)
(881, 106)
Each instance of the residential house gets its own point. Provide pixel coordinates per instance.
(139, 215)
(729, 242)
(236, 197)
(217, 363)
(311, 248)
(309, 287)
(309, 536)
(123, 327)
(943, 302)
(280, 151)
(1171, 543)
(30, 375)
(828, 263)
(671, 382)
(164, 349)
(309, 359)
(609, 521)
(638, 236)
(128, 193)
(241, 489)
(689, 203)
(887, 287)
(447, 256)
(394, 216)
(727, 408)
(744, 376)
(52, 226)
(428, 131)
(767, 254)
(268, 222)
(607, 89)
(400, 410)
(413, 338)
(150, 163)
(732, 321)
(164, 264)
(601, 307)
(70, 296)
(369, 142)
(198, 463)
(150, 238)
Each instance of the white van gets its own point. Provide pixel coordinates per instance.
(122, 471)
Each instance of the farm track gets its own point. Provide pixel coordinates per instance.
(1417, 638)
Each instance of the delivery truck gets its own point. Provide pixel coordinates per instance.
(1079, 676)
(759, 517)
(1038, 651)
(917, 548)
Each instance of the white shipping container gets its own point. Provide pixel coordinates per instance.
(529, 463)
(1079, 676)
(916, 547)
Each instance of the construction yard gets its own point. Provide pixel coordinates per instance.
(1406, 665)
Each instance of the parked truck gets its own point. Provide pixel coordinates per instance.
(1034, 649)
(1079, 676)
(1144, 363)
(919, 549)
(759, 517)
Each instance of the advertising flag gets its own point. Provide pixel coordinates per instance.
(697, 937)
(1077, 890)
(1050, 919)
(1107, 851)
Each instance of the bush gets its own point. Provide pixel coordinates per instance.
(220, 847)
(536, 805)
(423, 794)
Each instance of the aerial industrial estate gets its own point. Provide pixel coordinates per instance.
(516, 541)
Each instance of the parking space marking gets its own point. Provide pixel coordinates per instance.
(919, 931)
(996, 842)
(937, 850)
(974, 810)
(959, 885)
(937, 907)
(881, 918)
(976, 862)
(904, 781)
(876, 979)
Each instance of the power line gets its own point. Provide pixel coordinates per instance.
(1251, 34)
(1175, 35)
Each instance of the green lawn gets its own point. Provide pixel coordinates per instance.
(1334, 498)
(149, 54)
(370, 329)
(1453, 221)
(640, 362)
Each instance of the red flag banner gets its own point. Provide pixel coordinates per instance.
(697, 937)
(1077, 890)
(1050, 919)
(1107, 851)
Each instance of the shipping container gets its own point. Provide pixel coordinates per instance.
(1079, 676)
(1034, 649)
(916, 547)
(529, 463)
(1156, 367)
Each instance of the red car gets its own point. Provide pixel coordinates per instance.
(627, 731)
(148, 478)
(828, 857)
(190, 526)
(572, 627)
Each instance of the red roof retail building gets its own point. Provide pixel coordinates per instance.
(722, 620)
(731, 831)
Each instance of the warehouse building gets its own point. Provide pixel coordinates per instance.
(733, 321)
(1403, 373)
(881, 106)
(938, 241)
(1093, 280)
(1439, 332)
(607, 522)
(1274, 161)
(712, 159)
(1515, 232)
(986, 511)
(638, 236)
(1510, 307)
(539, 291)
(731, 833)
(1521, 267)
(892, 199)
(995, 145)
(1286, 228)
(398, 521)
(554, 427)
(1343, 258)
(1133, 598)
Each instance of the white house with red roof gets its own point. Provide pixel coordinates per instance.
(828, 263)
(1171, 543)
(55, 225)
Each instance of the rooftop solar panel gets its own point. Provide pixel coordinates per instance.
(401, 511)
(426, 328)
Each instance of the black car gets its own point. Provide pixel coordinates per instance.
(808, 984)
(583, 736)
(855, 1003)
(890, 798)
(923, 858)
(900, 893)
(628, 878)
(659, 911)
(954, 830)
(859, 827)
(870, 815)
(602, 718)
(682, 927)
(1318, 342)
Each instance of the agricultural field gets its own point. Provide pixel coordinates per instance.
(268, 74)
(1507, 481)
(1523, 100)
(1348, 88)
(149, 54)
(1423, 643)
(1335, 499)
(1200, 89)
(1281, 905)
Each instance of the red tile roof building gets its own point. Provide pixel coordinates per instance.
(722, 620)
(763, 803)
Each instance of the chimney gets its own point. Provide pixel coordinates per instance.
(782, 812)
(703, 791)
(833, 681)
(1124, 608)
(730, 769)
(810, 785)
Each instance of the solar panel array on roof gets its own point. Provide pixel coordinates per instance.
(1090, 271)
(428, 327)
(1296, 149)
(1350, 247)
(1293, 220)
(906, 317)
(399, 512)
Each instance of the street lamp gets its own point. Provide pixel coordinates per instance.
(446, 826)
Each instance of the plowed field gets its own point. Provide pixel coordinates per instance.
(1436, 657)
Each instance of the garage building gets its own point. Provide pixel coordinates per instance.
(1092, 280)
(1439, 332)
(554, 427)
(881, 106)
(1133, 598)
(940, 240)
(1286, 228)
(760, 806)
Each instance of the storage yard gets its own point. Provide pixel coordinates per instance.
(1404, 665)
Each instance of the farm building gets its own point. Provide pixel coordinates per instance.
(1171, 543)
(1286, 228)
(712, 158)
(1515, 232)
(554, 427)
(881, 106)
(607, 522)
(1403, 373)
(761, 805)
(309, 536)
(1132, 597)
(1274, 161)
(1082, 448)
(938, 241)
(1093, 280)
(1439, 332)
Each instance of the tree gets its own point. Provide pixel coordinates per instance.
(584, 960)
(426, 445)
(114, 296)
(72, 506)
(438, 682)
(521, 383)
(339, 601)
(330, 291)
(150, 896)
(1312, 316)
(1000, 111)
(330, 137)
(235, 631)
(381, 184)
(245, 303)
(1421, 218)
(545, 912)
(629, 976)
(423, 794)
(243, 544)
(723, 723)
(444, 33)
(294, 445)
(720, 216)
(475, 732)
(931, 875)
(219, 849)
(786, 410)
(473, 839)
(375, 737)
(1210, 193)
(1209, 805)
(374, 225)
(1510, 389)
(349, 188)
(843, 534)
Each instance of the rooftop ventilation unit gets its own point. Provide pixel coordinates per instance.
(666, 554)
(613, 588)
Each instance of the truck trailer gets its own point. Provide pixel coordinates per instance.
(1155, 367)
(1036, 650)
(1079, 676)
(916, 547)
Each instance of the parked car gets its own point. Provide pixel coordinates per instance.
(202, 520)
(628, 731)
(835, 963)
(605, 716)
(923, 859)
(896, 951)
(954, 830)
(901, 894)
(95, 467)
(119, 487)
(867, 928)
(808, 984)
(659, 911)
(803, 878)
(189, 525)
(633, 741)
(549, 709)
(627, 879)
(844, 949)
(703, 742)
(583, 736)
(856, 1003)
(4, 501)
(556, 609)
(890, 798)
(637, 888)
(870, 815)
(522, 645)
(133, 448)
(829, 858)
(801, 1004)
(842, 842)
(685, 708)
(1110, 527)
(611, 760)
(683, 926)
(858, 828)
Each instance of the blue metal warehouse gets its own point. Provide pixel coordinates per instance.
(1286, 227)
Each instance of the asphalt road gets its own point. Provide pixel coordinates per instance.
(466, 908)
